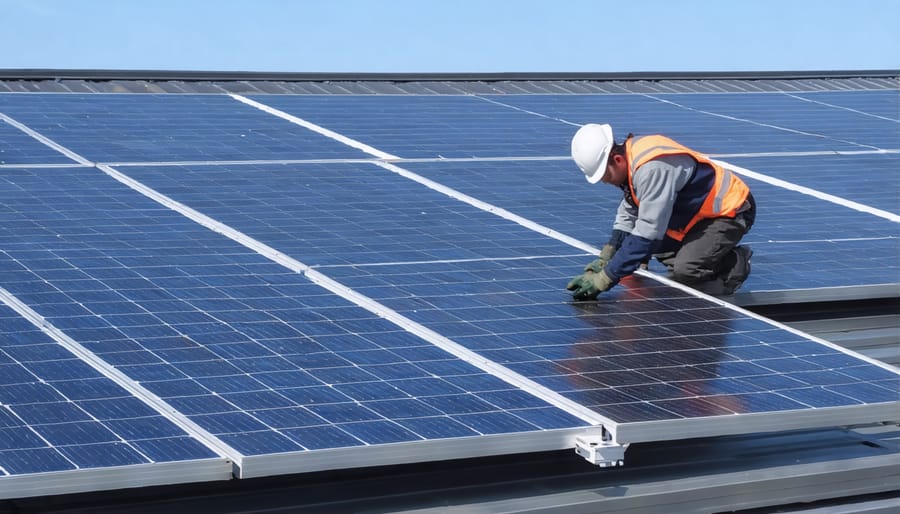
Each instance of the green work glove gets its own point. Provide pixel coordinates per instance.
(606, 253)
(588, 285)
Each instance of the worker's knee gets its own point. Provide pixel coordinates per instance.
(689, 272)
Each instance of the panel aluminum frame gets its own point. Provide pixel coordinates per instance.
(409, 452)
(109, 478)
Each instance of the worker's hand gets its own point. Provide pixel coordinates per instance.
(588, 285)
(606, 253)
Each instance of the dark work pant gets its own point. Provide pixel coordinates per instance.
(706, 258)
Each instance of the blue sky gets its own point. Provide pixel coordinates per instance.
(424, 36)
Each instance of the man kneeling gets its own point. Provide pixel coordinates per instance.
(678, 206)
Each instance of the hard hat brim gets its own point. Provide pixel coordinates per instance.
(597, 176)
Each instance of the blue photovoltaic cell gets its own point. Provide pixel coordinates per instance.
(59, 414)
(642, 352)
(799, 241)
(413, 126)
(612, 355)
(250, 351)
(329, 214)
(116, 127)
(871, 180)
(17, 147)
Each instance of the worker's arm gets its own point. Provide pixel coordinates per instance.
(626, 215)
(607, 252)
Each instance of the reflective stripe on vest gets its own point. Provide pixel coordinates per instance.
(728, 192)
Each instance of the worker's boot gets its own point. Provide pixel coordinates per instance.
(741, 269)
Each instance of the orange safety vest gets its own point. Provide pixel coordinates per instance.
(728, 192)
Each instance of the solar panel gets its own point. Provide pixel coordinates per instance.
(868, 179)
(716, 124)
(66, 427)
(884, 104)
(644, 353)
(412, 126)
(111, 128)
(871, 126)
(367, 319)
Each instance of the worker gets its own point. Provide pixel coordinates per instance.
(678, 206)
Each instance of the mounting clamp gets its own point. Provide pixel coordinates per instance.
(601, 450)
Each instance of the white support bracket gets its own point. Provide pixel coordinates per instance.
(601, 449)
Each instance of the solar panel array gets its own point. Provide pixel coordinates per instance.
(287, 283)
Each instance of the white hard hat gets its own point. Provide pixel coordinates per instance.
(590, 149)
